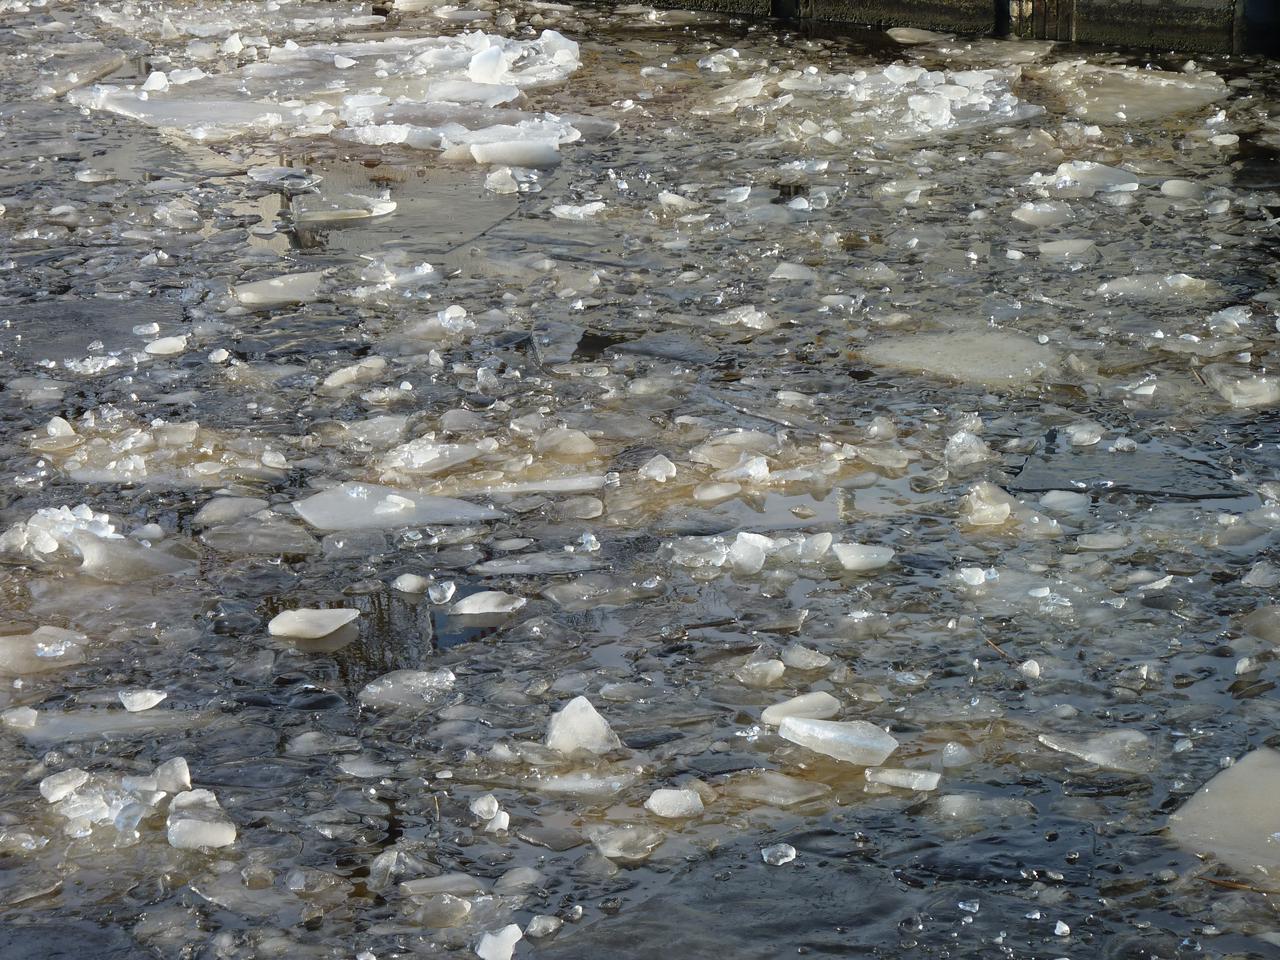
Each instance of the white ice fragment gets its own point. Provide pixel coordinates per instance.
(485, 807)
(135, 701)
(630, 843)
(799, 657)
(542, 925)
(488, 602)
(793, 271)
(577, 729)
(674, 804)
(166, 346)
(173, 776)
(778, 854)
(922, 780)
(280, 291)
(861, 557)
(749, 551)
(1096, 176)
(196, 821)
(1234, 817)
(57, 786)
(854, 741)
(361, 506)
(407, 689)
(818, 706)
(568, 211)
(410, 583)
(966, 449)
(309, 623)
(1125, 750)
(657, 468)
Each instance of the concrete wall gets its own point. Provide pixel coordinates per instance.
(1193, 26)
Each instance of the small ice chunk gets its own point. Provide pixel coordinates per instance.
(777, 854)
(486, 807)
(58, 786)
(658, 469)
(577, 729)
(310, 624)
(904, 779)
(542, 925)
(630, 843)
(196, 821)
(854, 741)
(173, 776)
(749, 552)
(860, 557)
(280, 291)
(966, 449)
(166, 346)
(816, 706)
(799, 657)
(362, 506)
(409, 689)
(410, 583)
(488, 602)
(135, 701)
(1125, 750)
(500, 944)
(674, 804)
(1234, 817)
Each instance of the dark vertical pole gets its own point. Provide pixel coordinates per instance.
(1002, 18)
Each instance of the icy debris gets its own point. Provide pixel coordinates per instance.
(196, 821)
(485, 807)
(1043, 213)
(1107, 94)
(861, 557)
(1155, 285)
(817, 706)
(45, 648)
(585, 211)
(57, 786)
(360, 506)
(227, 509)
(135, 701)
(966, 449)
(166, 346)
(1125, 750)
(761, 669)
(979, 809)
(364, 371)
(408, 689)
(51, 531)
(280, 291)
(411, 583)
(1088, 177)
(778, 854)
(1234, 817)
(309, 623)
(909, 36)
(674, 804)
(629, 843)
(854, 741)
(488, 602)
(989, 357)
(577, 729)
(1242, 387)
(542, 925)
(921, 780)
(772, 788)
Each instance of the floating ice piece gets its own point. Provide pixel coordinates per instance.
(1096, 176)
(542, 925)
(1043, 213)
(1104, 94)
(966, 449)
(990, 357)
(577, 729)
(909, 36)
(1081, 249)
(568, 211)
(1156, 285)
(772, 788)
(410, 583)
(816, 706)
(426, 457)
(310, 208)
(45, 648)
(57, 786)
(309, 623)
(173, 776)
(629, 843)
(362, 506)
(166, 346)
(853, 741)
(409, 689)
(135, 701)
(227, 509)
(280, 291)
(50, 531)
(196, 821)
(778, 854)
(793, 271)
(1126, 750)
(674, 804)
(861, 557)
(921, 780)
(979, 809)
(1234, 817)
(1241, 387)
(485, 807)
(500, 944)
(488, 602)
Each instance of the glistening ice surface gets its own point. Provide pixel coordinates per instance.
(528, 480)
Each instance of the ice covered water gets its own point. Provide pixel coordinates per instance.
(716, 437)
